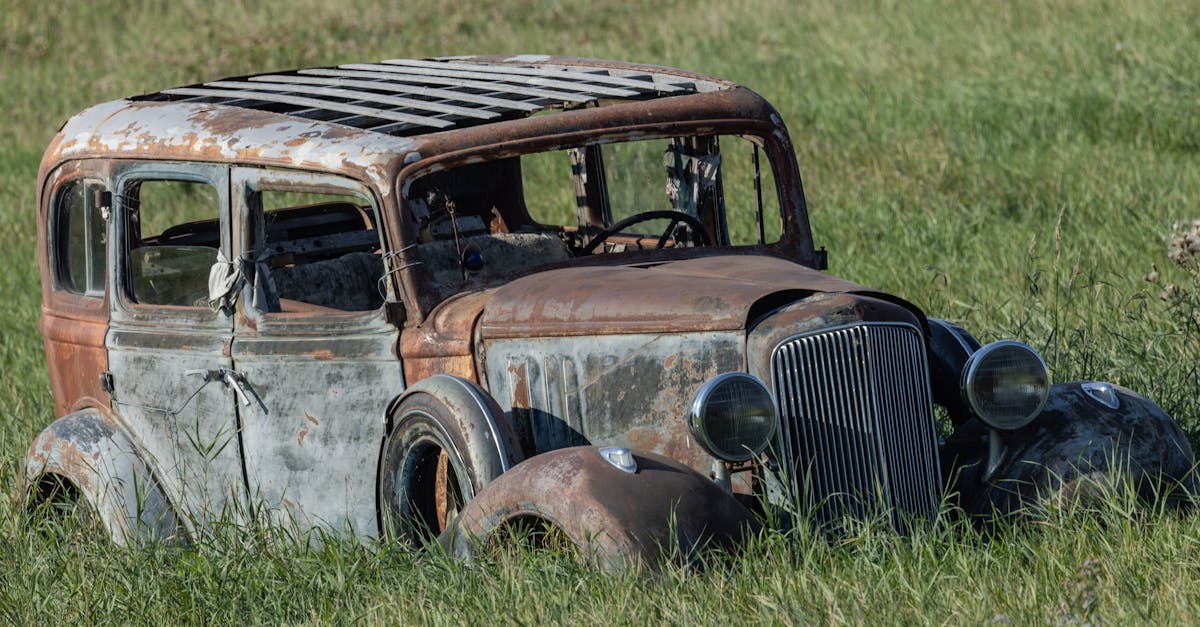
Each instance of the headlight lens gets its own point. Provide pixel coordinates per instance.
(1006, 383)
(733, 417)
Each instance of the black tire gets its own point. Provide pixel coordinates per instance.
(426, 477)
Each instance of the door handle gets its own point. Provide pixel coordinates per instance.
(235, 380)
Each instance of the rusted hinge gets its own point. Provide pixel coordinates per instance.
(106, 382)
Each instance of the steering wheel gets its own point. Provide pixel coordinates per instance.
(674, 216)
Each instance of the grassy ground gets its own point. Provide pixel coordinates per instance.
(1016, 167)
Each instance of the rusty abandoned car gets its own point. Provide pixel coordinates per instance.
(439, 298)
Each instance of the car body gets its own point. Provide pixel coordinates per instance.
(436, 297)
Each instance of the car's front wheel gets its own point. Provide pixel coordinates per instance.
(448, 441)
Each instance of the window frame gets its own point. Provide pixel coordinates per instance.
(59, 236)
(249, 233)
(126, 307)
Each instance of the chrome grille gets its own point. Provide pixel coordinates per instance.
(856, 422)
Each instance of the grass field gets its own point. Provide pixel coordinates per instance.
(1016, 167)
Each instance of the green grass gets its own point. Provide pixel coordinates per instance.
(1015, 167)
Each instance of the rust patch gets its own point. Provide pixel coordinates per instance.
(323, 354)
(463, 366)
(301, 435)
(311, 419)
(75, 357)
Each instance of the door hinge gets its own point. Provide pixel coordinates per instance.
(106, 382)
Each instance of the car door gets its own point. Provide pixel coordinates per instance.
(168, 350)
(312, 337)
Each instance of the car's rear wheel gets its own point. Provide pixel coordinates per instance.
(56, 506)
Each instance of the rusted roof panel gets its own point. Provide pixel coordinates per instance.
(407, 97)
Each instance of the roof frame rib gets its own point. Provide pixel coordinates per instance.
(414, 96)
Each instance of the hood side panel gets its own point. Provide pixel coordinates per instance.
(621, 390)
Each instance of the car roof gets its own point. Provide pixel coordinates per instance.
(407, 97)
(368, 120)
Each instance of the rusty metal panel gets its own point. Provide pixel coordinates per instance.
(443, 342)
(76, 357)
(209, 132)
(88, 449)
(704, 294)
(660, 513)
(620, 390)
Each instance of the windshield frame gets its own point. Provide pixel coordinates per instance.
(795, 242)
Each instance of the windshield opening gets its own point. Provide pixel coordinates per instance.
(506, 216)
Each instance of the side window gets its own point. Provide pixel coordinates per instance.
(174, 233)
(319, 250)
(80, 238)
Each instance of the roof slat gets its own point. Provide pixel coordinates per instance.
(323, 76)
(401, 74)
(441, 69)
(355, 95)
(523, 70)
(312, 103)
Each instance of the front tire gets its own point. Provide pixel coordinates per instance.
(448, 441)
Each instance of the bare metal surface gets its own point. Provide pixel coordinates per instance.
(311, 458)
(857, 421)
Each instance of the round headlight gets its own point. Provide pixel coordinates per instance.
(1006, 383)
(733, 417)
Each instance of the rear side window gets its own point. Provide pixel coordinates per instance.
(80, 238)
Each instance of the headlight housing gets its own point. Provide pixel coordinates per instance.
(1006, 383)
(733, 416)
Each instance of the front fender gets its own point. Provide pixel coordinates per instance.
(1076, 439)
(663, 510)
(87, 450)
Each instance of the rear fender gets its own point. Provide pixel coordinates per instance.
(85, 449)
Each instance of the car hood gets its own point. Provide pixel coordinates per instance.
(705, 294)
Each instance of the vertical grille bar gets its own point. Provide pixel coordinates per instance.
(856, 421)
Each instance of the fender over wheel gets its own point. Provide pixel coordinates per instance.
(660, 511)
(448, 440)
(83, 461)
